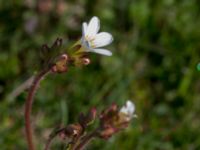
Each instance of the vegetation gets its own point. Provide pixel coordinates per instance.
(154, 63)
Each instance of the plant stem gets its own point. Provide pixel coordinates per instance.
(51, 137)
(47, 146)
(85, 141)
(48, 143)
(28, 107)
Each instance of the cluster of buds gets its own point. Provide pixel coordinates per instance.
(58, 62)
(114, 119)
(111, 120)
(76, 130)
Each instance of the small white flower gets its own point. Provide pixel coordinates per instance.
(128, 110)
(92, 41)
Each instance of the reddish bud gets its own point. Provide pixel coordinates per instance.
(93, 113)
(61, 64)
(107, 133)
(77, 129)
(62, 135)
(109, 115)
(110, 118)
(71, 131)
(86, 61)
(64, 57)
(87, 119)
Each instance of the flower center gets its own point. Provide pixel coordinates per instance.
(90, 41)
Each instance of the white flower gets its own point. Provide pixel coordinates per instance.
(92, 41)
(128, 110)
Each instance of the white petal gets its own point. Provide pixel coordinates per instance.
(84, 28)
(130, 107)
(124, 110)
(102, 51)
(102, 39)
(93, 27)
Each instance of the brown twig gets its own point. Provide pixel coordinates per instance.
(28, 107)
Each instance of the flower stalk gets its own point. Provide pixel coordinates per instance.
(85, 141)
(28, 108)
(51, 137)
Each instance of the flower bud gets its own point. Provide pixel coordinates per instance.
(71, 131)
(86, 61)
(127, 111)
(107, 132)
(61, 64)
(114, 119)
(86, 120)
(109, 115)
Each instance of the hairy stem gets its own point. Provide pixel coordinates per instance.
(51, 137)
(48, 144)
(28, 107)
(85, 141)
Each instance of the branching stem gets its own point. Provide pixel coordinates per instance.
(51, 137)
(85, 141)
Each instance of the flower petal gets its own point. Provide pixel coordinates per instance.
(102, 39)
(124, 110)
(130, 106)
(93, 27)
(102, 51)
(84, 28)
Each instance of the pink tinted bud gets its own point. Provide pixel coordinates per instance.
(107, 133)
(62, 135)
(61, 64)
(64, 56)
(86, 61)
(87, 119)
(114, 107)
(54, 69)
(93, 112)
(76, 129)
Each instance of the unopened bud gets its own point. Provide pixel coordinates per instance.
(61, 64)
(54, 69)
(64, 57)
(86, 61)
(62, 135)
(71, 131)
(86, 120)
(93, 113)
(77, 129)
(109, 113)
(107, 133)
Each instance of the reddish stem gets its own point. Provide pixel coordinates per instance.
(51, 137)
(85, 141)
(47, 146)
(28, 108)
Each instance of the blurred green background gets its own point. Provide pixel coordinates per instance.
(156, 51)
